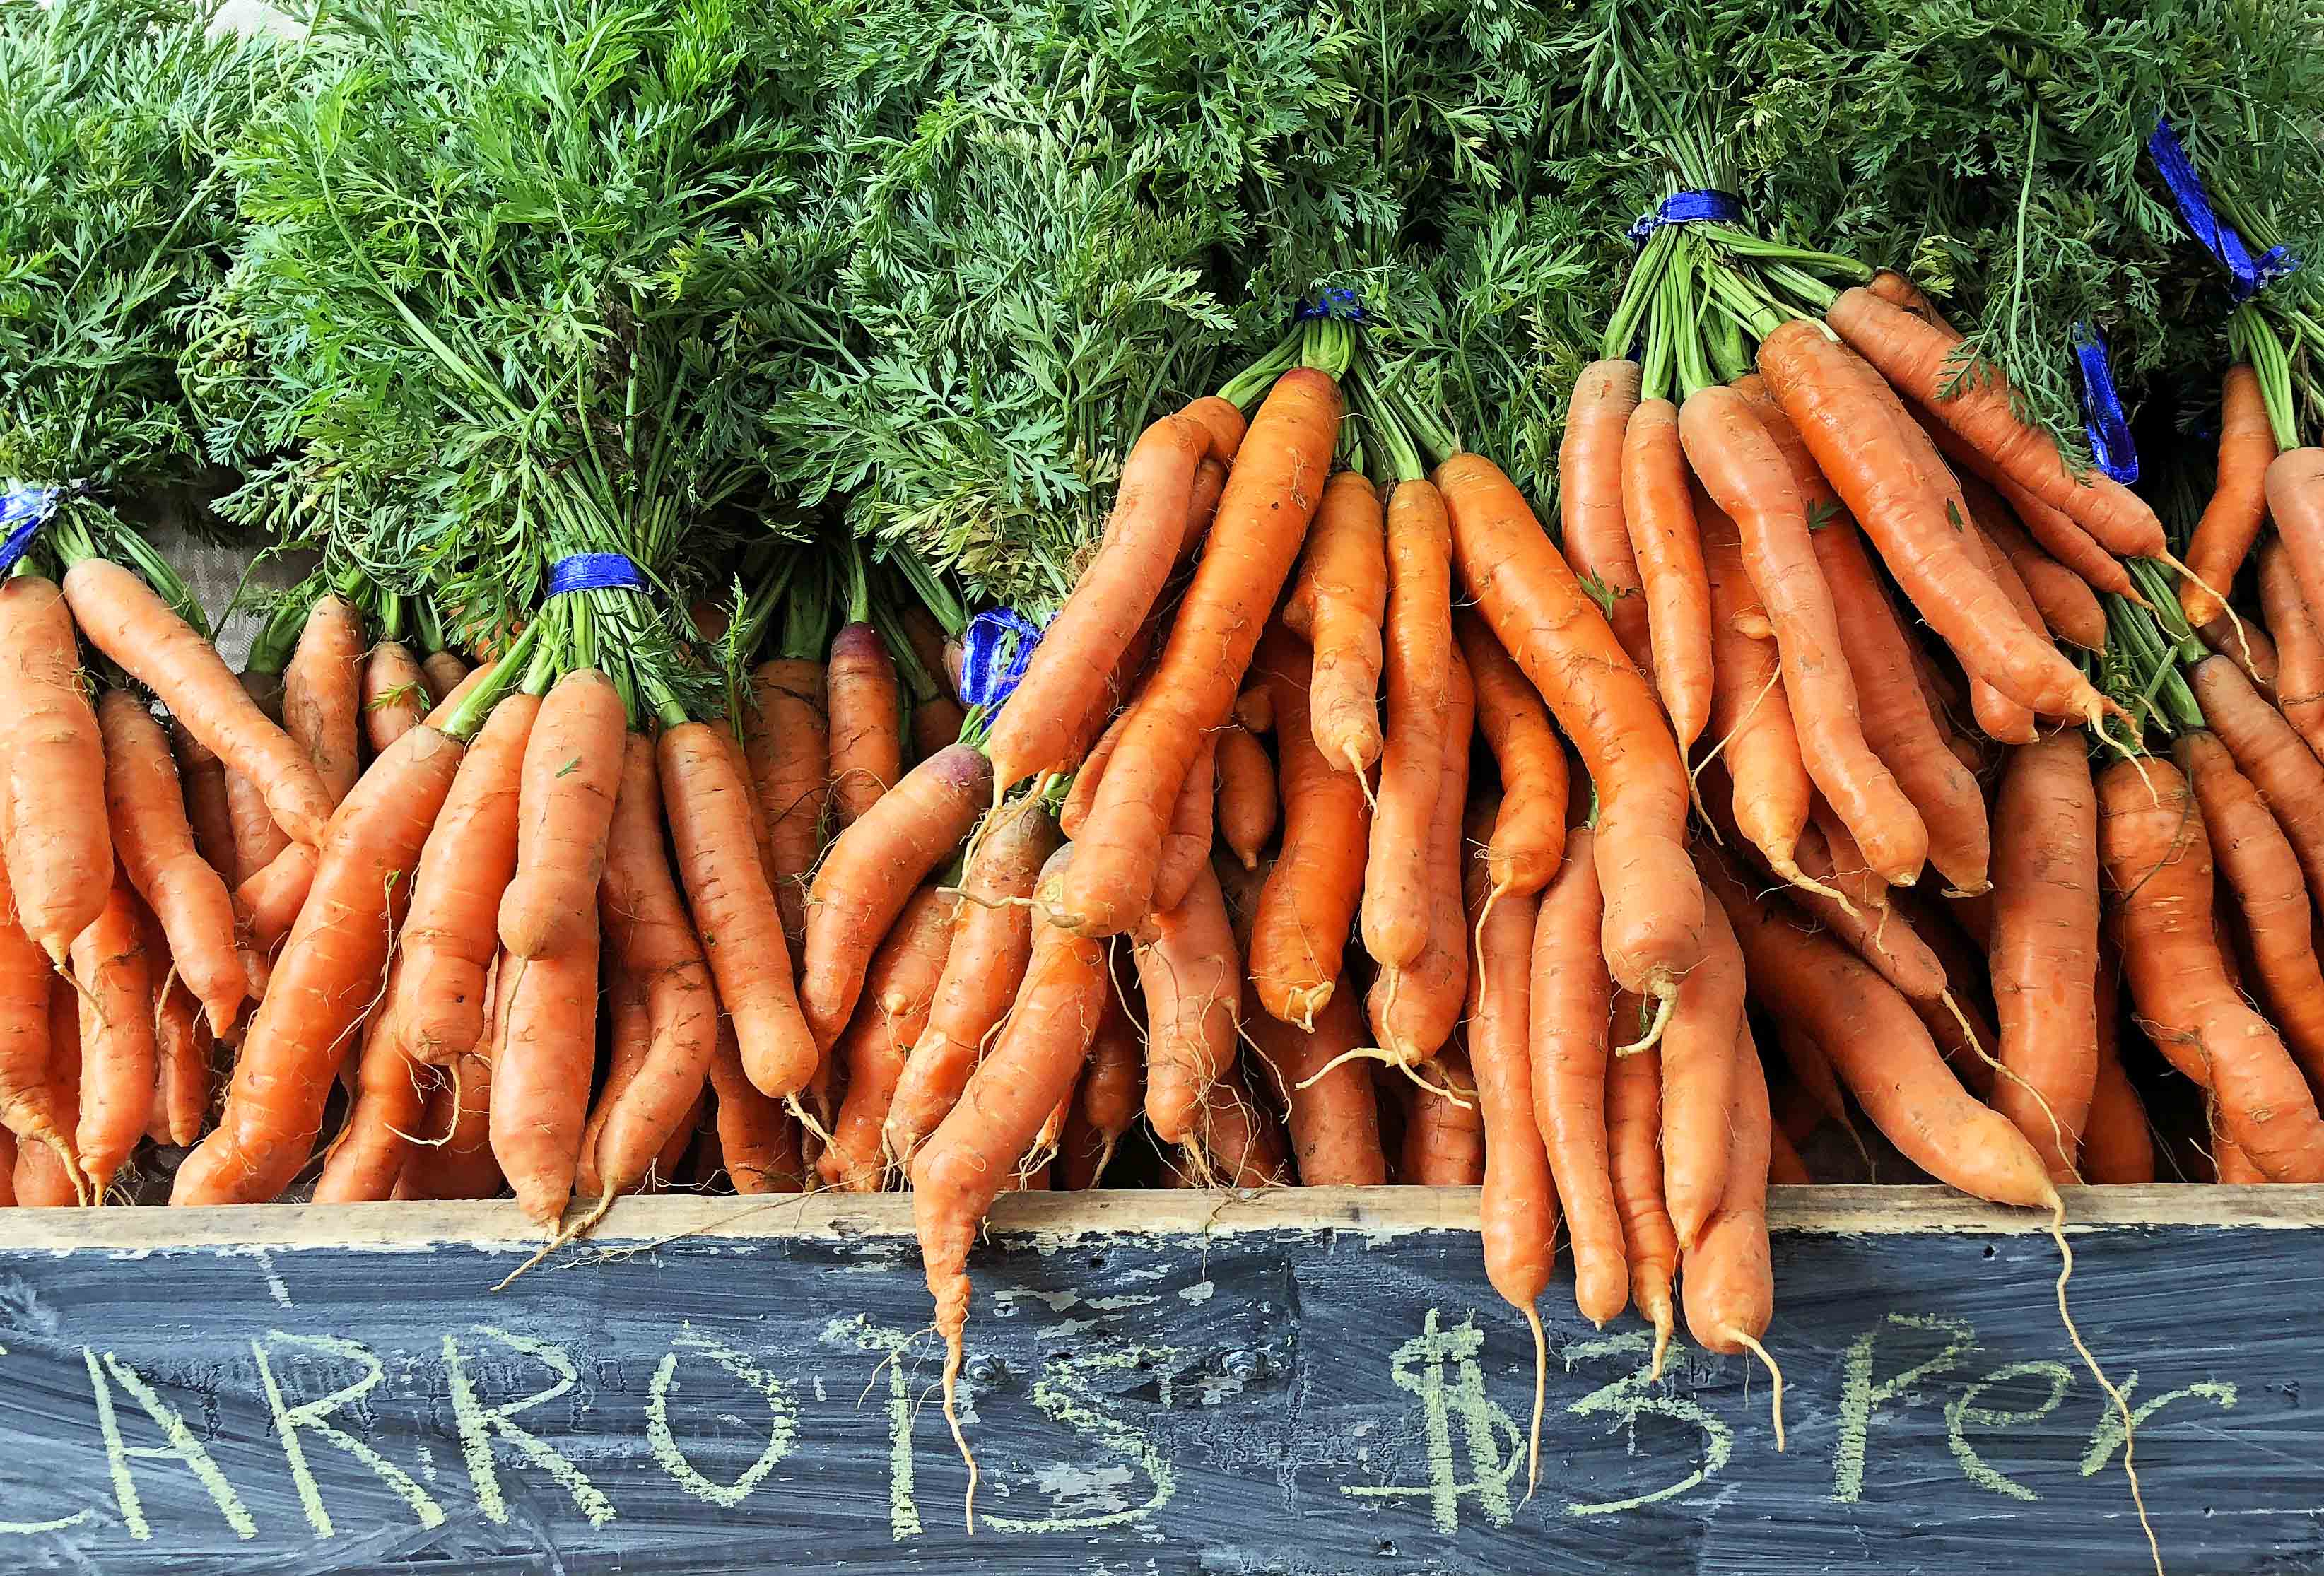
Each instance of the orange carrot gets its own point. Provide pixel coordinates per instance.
(1572, 1004)
(1731, 1286)
(1916, 357)
(863, 698)
(869, 873)
(1597, 536)
(258, 841)
(1113, 1083)
(156, 847)
(1271, 497)
(1246, 810)
(47, 1176)
(1339, 604)
(1669, 554)
(327, 976)
(1880, 1051)
(2067, 604)
(116, 1037)
(391, 1106)
(59, 854)
(898, 988)
(451, 936)
(2272, 754)
(1653, 926)
(322, 690)
(2238, 504)
(985, 961)
(1112, 598)
(1191, 976)
(1443, 1133)
(1413, 1010)
(1308, 904)
(267, 904)
(2158, 859)
(2045, 946)
(565, 802)
(1396, 909)
(2002, 718)
(708, 806)
(2117, 1146)
(545, 1043)
(1634, 1164)
(1237, 1143)
(28, 1098)
(1855, 428)
(1529, 840)
(2299, 646)
(395, 696)
(1696, 1061)
(787, 736)
(124, 618)
(1747, 476)
(758, 1138)
(441, 672)
(208, 814)
(1186, 845)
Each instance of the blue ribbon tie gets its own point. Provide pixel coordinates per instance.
(23, 509)
(1339, 302)
(993, 654)
(595, 572)
(2109, 429)
(2250, 275)
(1688, 207)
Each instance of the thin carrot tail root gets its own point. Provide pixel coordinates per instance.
(2057, 1129)
(1662, 1317)
(1793, 875)
(1445, 1091)
(2121, 1402)
(1104, 1159)
(1363, 783)
(951, 1323)
(564, 1235)
(1354, 1053)
(1751, 1344)
(792, 1103)
(2171, 562)
(1665, 1000)
(1540, 1395)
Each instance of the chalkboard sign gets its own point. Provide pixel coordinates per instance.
(1304, 1381)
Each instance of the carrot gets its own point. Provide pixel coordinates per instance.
(28, 1098)
(2299, 646)
(1246, 811)
(1529, 838)
(1596, 532)
(1669, 552)
(391, 1105)
(2066, 603)
(2158, 859)
(1730, 1285)
(327, 976)
(124, 618)
(1915, 357)
(660, 961)
(2237, 508)
(1338, 603)
(1696, 1062)
(2117, 1146)
(863, 699)
(395, 695)
(937, 716)
(1333, 1113)
(565, 802)
(1880, 1050)
(1396, 909)
(1111, 598)
(2248, 646)
(2045, 946)
(1747, 476)
(1854, 428)
(451, 935)
(962, 1168)
(869, 873)
(1518, 1209)
(1271, 497)
(1237, 1143)
(1186, 845)
(1191, 976)
(545, 1043)
(1812, 1070)
(156, 847)
(900, 987)
(59, 854)
(1785, 1166)
(441, 673)
(1415, 1010)
(456, 1158)
(1880, 935)
(1653, 911)
(708, 806)
(1113, 1083)
(322, 690)
(1635, 1166)
(2295, 501)
(116, 1037)
(2269, 752)
(208, 816)
(1571, 1006)
(991, 942)
(2270, 895)
(759, 1138)
(1443, 1132)
(48, 1176)
(2003, 719)
(1309, 901)
(258, 841)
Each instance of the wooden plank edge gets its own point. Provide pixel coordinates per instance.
(1059, 1218)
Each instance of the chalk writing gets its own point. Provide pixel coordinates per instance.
(779, 1426)
(903, 1509)
(1418, 1366)
(182, 1446)
(479, 1423)
(311, 1415)
(2107, 1438)
(1962, 1413)
(1064, 1393)
(1860, 1396)
(1633, 1396)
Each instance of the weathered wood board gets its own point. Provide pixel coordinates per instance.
(1310, 1382)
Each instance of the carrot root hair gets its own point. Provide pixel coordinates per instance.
(1540, 1395)
(2170, 561)
(1363, 782)
(1665, 1000)
(2121, 1403)
(1352, 1053)
(1750, 1343)
(955, 1353)
(2001, 1070)
(1793, 875)
(563, 1235)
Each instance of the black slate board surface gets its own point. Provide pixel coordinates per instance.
(1310, 1382)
